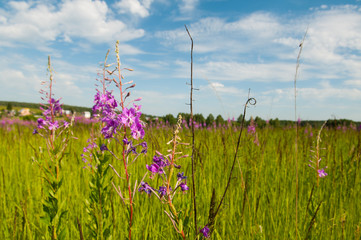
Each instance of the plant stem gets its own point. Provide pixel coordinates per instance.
(296, 122)
(193, 138)
(119, 85)
(52, 133)
(251, 101)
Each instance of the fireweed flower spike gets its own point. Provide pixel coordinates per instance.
(315, 164)
(163, 166)
(56, 137)
(121, 124)
(251, 130)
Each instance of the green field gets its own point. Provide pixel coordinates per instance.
(260, 203)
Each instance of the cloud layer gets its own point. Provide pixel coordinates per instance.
(31, 23)
(232, 53)
(262, 47)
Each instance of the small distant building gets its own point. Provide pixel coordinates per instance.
(86, 114)
(24, 112)
(67, 113)
(11, 113)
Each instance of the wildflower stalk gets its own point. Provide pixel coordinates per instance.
(170, 203)
(320, 173)
(115, 125)
(98, 202)
(318, 157)
(164, 166)
(120, 86)
(56, 138)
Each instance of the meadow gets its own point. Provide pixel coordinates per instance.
(260, 202)
(121, 175)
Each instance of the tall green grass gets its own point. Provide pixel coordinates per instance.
(259, 204)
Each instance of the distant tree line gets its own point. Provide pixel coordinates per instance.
(198, 117)
(261, 123)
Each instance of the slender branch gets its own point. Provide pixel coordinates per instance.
(312, 220)
(193, 137)
(296, 122)
(251, 101)
(80, 230)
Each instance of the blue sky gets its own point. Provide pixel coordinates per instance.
(238, 45)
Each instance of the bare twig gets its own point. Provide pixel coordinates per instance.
(80, 230)
(313, 220)
(193, 137)
(251, 101)
(296, 122)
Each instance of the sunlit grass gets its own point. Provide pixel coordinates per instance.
(259, 204)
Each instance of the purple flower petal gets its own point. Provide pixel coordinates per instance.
(322, 173)
(205, 231)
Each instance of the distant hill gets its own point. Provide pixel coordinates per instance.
(37, 106)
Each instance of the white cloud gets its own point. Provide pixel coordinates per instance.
(3, 20)
(329, 92)
(38, 24)
(20, 84)
(216, 34)
(221, 88)
(161, 103)
(67, 85)
(22, 77)
(356, 83)
(263, 47)
(187, 6)
(333, 34)
(260, 24)
(325, 92)
(140, 8)
(235, 71)
(20, 6)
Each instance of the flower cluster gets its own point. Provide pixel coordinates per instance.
(87, 155)
(146, 188)
(162, 191)
(315, 164)
(130, 148)
(106, 106)
(321, 172)
(158, 167)
(158, 164)
(252, 127)
(163, 166)
(251, 130)
(49, 123)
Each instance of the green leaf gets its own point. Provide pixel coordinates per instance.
(45, 220)
(63, 234)
(180, 225)
(60, 182)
